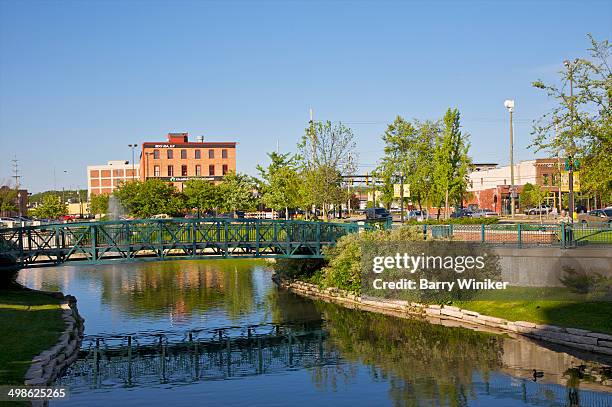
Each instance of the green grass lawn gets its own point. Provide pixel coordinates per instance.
(594, 316)
(31, 323)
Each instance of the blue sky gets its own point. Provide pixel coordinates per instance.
(81, 80)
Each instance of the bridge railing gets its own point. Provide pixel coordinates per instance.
(93, 241)
(521, 234)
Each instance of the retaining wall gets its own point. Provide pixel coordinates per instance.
(575, 338)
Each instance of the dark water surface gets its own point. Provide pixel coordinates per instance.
(190, 333)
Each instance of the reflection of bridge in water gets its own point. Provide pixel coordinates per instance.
(152, 358)
(176, 358)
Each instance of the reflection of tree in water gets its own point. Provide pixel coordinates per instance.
(283, 307)
(420, 361)
(180, 287)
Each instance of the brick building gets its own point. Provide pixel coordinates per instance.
(489, 185)
(104, 179)
(178, 159)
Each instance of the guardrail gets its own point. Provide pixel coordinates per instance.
(521, 234)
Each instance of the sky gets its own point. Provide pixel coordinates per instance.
(80, 80)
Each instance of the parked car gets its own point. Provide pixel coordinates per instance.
(418, 215)
(462, 213)
(484, 213)
(540, 210)
(67, 218)
(161, 216)
(596, 215)
(377, 213)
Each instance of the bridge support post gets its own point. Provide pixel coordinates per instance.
(93, 229)
(257, 222)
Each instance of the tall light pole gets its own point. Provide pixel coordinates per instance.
(509, 104)
(402, 197)
(133, 146)
(571, 152)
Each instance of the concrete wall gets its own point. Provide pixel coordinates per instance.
(543, 266)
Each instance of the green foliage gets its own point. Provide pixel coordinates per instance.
(281, 182)
(580, 123)
(51, 207)
(325, 153)
(532, 195)
(79, 195)
(580, 281)
(202, 194)
(148, 198)
(8, 199)
(237, 192)
(98, 204)
(451, 162)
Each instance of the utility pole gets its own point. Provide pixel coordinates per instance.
(510, 106)
(313, 137)
(17, 177)
(402, 196)
(570, 169)
(133, 146)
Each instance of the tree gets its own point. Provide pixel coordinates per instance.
(327, 152)
(51, 207)
(408, 153)
(451, 163)
(580, 125)
(533, 195)
(148, 198)
(202, 194)
(237, 192)
(281, 186)
(98, 204)
(8, 199)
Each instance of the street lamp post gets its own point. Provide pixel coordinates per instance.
(509, 104)
(133, 146)
(402, 196)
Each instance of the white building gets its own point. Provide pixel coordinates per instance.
(487, 176)
(104, 179)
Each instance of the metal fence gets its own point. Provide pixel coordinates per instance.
(520, 234)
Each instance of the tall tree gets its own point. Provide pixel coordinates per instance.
(327, 151)
(580, 124)
(8, 199)
(202, 195)
(237, 192)
(281, 183)
(148, 198)
(451, 162)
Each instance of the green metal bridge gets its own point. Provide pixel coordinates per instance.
(165, 239)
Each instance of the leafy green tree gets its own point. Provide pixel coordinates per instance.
(281, 186)
(327, 152)
(202, 194)
(580, 123)
(51, 207)
(148, 198)
(237, 192)
(98, 204)
(532, 196)
(8, 199)
(451, 163)
(409, 153)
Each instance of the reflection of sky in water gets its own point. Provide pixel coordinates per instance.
(179, 296)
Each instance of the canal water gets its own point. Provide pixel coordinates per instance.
(191, 333)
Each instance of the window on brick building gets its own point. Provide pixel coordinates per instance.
(224, 169)
(170, 154)
(183, 170)
(211, 153)
(198, 154)
(211, 170)
(171, 171)
(223, 153)
(156, 172)
(198, 170)
(156, 154)
(183, 154)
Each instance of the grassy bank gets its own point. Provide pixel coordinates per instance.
(31, 323)
(594, 316)
(342, 269)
